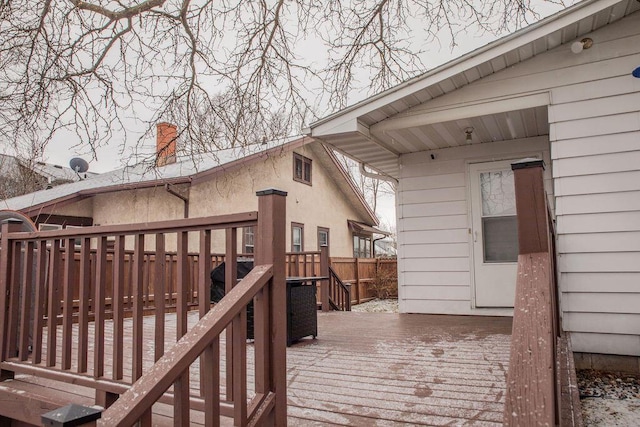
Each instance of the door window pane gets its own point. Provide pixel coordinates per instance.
(498, 193)
(500, 239)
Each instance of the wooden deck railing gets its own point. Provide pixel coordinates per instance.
(40, 270)
(339, 292)
(532, 388)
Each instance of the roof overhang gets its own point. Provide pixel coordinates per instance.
(358, 227)
(401, 120)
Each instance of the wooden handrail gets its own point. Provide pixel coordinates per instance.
(148, 389)
(339, 293)
(73, 281)
(532, 395)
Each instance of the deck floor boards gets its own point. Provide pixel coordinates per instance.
(368, 369)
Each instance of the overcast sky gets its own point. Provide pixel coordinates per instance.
(62, 149)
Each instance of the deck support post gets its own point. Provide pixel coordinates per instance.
(324, 284)
(270, 249)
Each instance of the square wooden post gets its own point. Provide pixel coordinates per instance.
(533, 234)
(7, 288)
(270, 249)
(324, 284)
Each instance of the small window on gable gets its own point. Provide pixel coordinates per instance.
(301, 169)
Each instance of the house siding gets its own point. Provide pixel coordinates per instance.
(434, 245)
(596, 166)
(594, 133)
(324, 204)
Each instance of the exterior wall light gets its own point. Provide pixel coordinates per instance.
(468, 132)
(579, 46)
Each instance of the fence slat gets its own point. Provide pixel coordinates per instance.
(25, 309)
(67, 302)
(137, 293)
(53, 301)
(117, 305)
(40, 300)
(181, 386)
(99, 306)
(230, 279)
(83, 310)
(159, 295)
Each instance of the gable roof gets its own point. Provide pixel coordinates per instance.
(349, 130)
(184, 172)
(53, 173)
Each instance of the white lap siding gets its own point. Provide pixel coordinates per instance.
(596, 164)
(435, 265)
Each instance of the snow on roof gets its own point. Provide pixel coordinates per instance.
(139, 174)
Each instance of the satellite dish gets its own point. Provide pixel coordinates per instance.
(27, 224)
(79, 165)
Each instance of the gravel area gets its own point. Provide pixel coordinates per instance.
(377, 306)
(609, 399)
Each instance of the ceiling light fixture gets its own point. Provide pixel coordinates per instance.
(579, 46)
(468, 131)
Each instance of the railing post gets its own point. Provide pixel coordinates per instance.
(324, 284)
(533, 234)
(357, 278)
(531, 396)
(6, 288)
(270, 249)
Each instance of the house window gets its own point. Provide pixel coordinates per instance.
(297, 237)
(247, 240)
(49, 227)
(301, 169)
(361, 246)
(323, 237)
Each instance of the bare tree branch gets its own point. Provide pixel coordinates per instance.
(95, 69)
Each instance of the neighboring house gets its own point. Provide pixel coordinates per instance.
(19, 176)
(323, 205)
(565, 89)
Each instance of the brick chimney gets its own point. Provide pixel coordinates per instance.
(166, 143)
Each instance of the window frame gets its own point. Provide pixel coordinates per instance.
(301, 227)
(361, 250)
(323, 230)
(245, 232)
(306, 164)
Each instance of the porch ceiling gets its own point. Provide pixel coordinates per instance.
(380, 148)
(379, 129)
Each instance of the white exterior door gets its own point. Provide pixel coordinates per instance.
(494, 233)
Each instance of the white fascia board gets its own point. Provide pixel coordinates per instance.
(494, 106)
(477, 57)
(339, 126)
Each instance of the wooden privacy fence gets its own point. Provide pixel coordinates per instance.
(533, 393)
(362, 273)
(40, 270)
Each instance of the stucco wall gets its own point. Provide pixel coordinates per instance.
(323, 204)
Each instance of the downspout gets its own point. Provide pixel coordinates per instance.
(185, 199)
(383, 177)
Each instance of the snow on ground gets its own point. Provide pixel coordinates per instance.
(607, 399)
(377, 306)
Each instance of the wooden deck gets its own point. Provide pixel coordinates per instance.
(364, 369)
